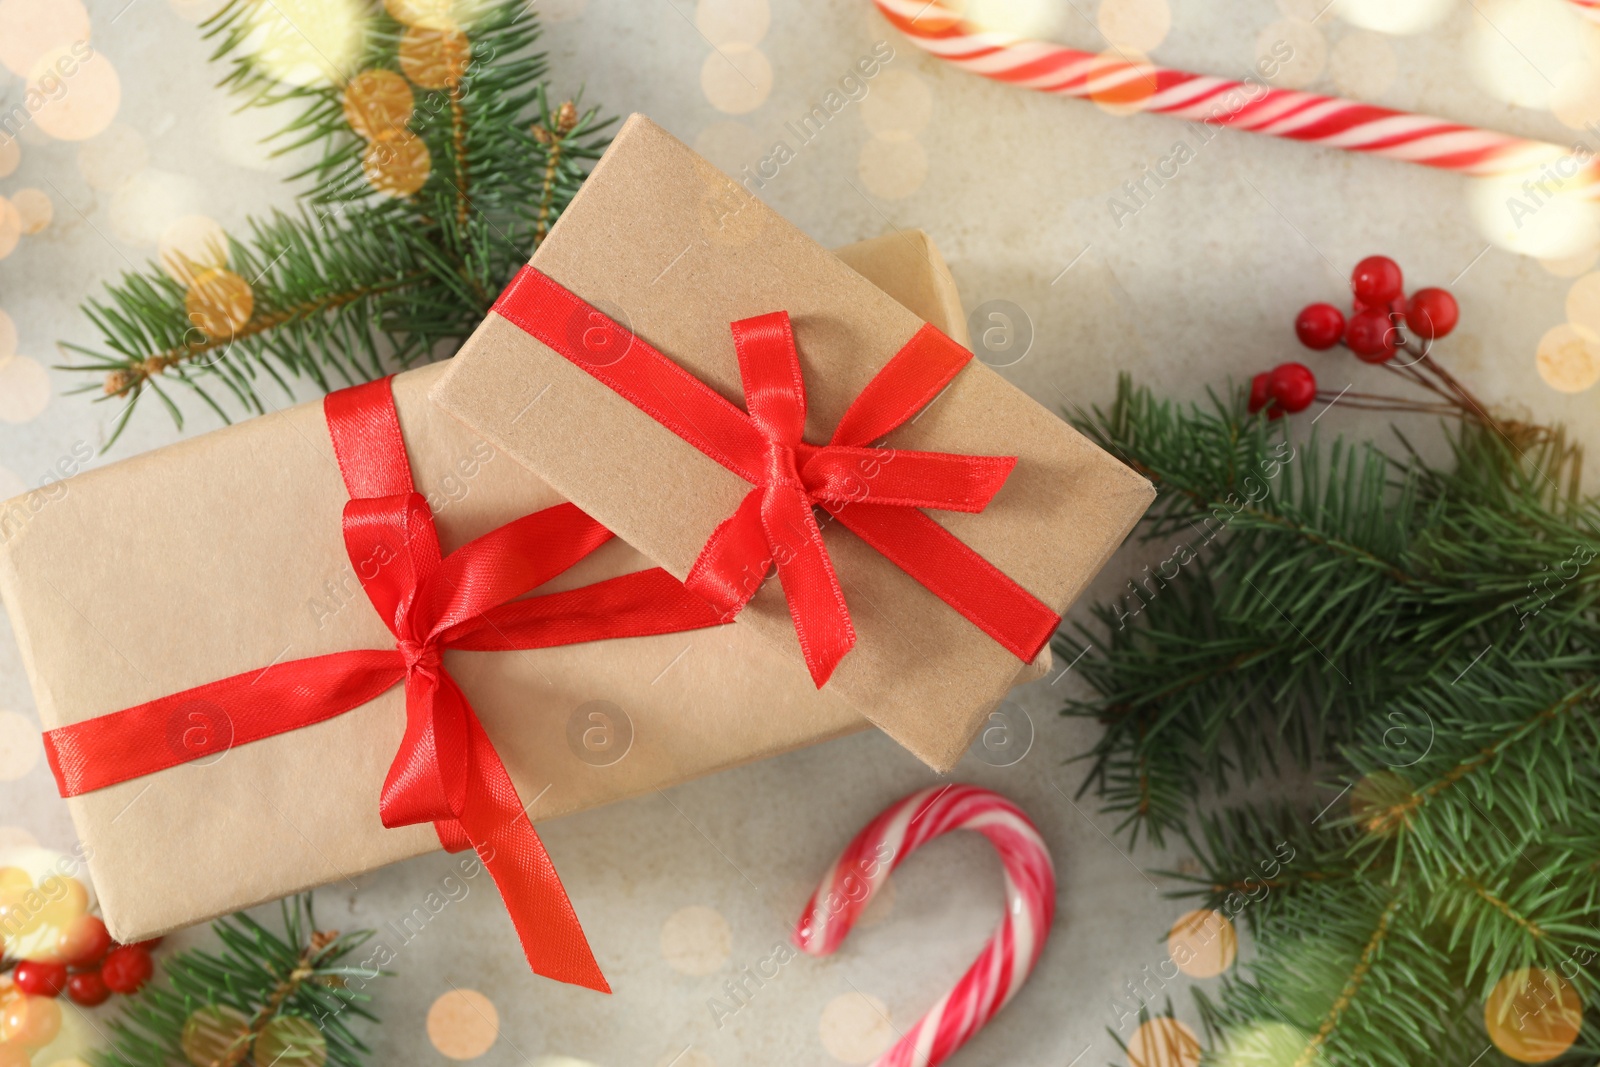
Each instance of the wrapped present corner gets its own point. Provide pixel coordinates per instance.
(226, 554)
(806, 453)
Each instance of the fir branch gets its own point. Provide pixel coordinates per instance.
(220, 1004)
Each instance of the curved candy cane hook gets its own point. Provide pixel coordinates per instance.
(1008, 958)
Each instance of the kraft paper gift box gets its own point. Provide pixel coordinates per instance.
(223, 553)
(665, 246)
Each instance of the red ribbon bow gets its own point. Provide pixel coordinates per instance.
(874, 492)
(447, 771)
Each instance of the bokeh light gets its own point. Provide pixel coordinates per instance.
(1203, 943)
(306, 42)
(1568, 358)
(1393, 16)
(80, 94)
(1559, 223)
(1533, 1015)
(1518, 44)
(1163, 1042)
(34, 209)
(30, 28)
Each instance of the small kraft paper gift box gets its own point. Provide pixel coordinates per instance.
(690, 369)
(225, 555)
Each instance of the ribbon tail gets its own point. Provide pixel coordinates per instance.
(428, 780)
(816, 603)
(497, 826)
(1016, 619)
(735, 560)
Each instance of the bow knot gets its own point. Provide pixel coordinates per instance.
(782, 468)
(423, 656)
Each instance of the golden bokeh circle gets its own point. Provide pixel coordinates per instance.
(24, 394)
(893, 169)
(34, 209)
(1121, 83)
(32, 1022)
(1573, 265)
(1575, 100)
(434, 57)
(290, 1041)
(191, 246)
(1163, 1042)
(1203, 943)
(1533, 1015)
(10, 227)
(463, 1024)
(696, 940)
(1138, 25)
(10, 154)
(1583, 301)
(899, 103)
(80, 96)
(219, 303)
(856, 1027)
(438, 14)
(8, 337)
(1568, 358)
(210, 1033)
(1381, 802)
(1309, 52)
(736, 78)
(1363, 64)
(377, 102)
(306, 42)
(30, 28)
(397, 164)
(725, 22)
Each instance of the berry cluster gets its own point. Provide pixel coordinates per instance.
(98, 969)
(55, 946)
(1382, 322)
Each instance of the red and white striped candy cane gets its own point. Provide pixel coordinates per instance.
(1324, 120)
(1005, 962)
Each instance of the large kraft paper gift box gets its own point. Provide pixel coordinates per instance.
(610, 368)
(223, 554)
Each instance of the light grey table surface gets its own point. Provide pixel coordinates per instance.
(682, 889)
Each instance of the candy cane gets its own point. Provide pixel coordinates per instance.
(1325, 120)
(1005, 962)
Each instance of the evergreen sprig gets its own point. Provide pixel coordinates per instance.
(1425, 639)
(356, 283)
(218, 1005)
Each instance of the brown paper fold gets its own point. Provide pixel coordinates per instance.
(674, 250)
(223, 554)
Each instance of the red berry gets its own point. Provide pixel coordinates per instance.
(85, 941)
(87, 988)
(1258, 393)
(1319, 326)
(127, 968)
(40, 979)
(1432, 313)
(1293, 386)
(1371, 336)
(1376, 280)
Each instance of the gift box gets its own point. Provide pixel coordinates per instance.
(223, 554)
(689, 368)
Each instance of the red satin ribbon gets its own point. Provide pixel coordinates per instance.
(446, 771)
(874, 492)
